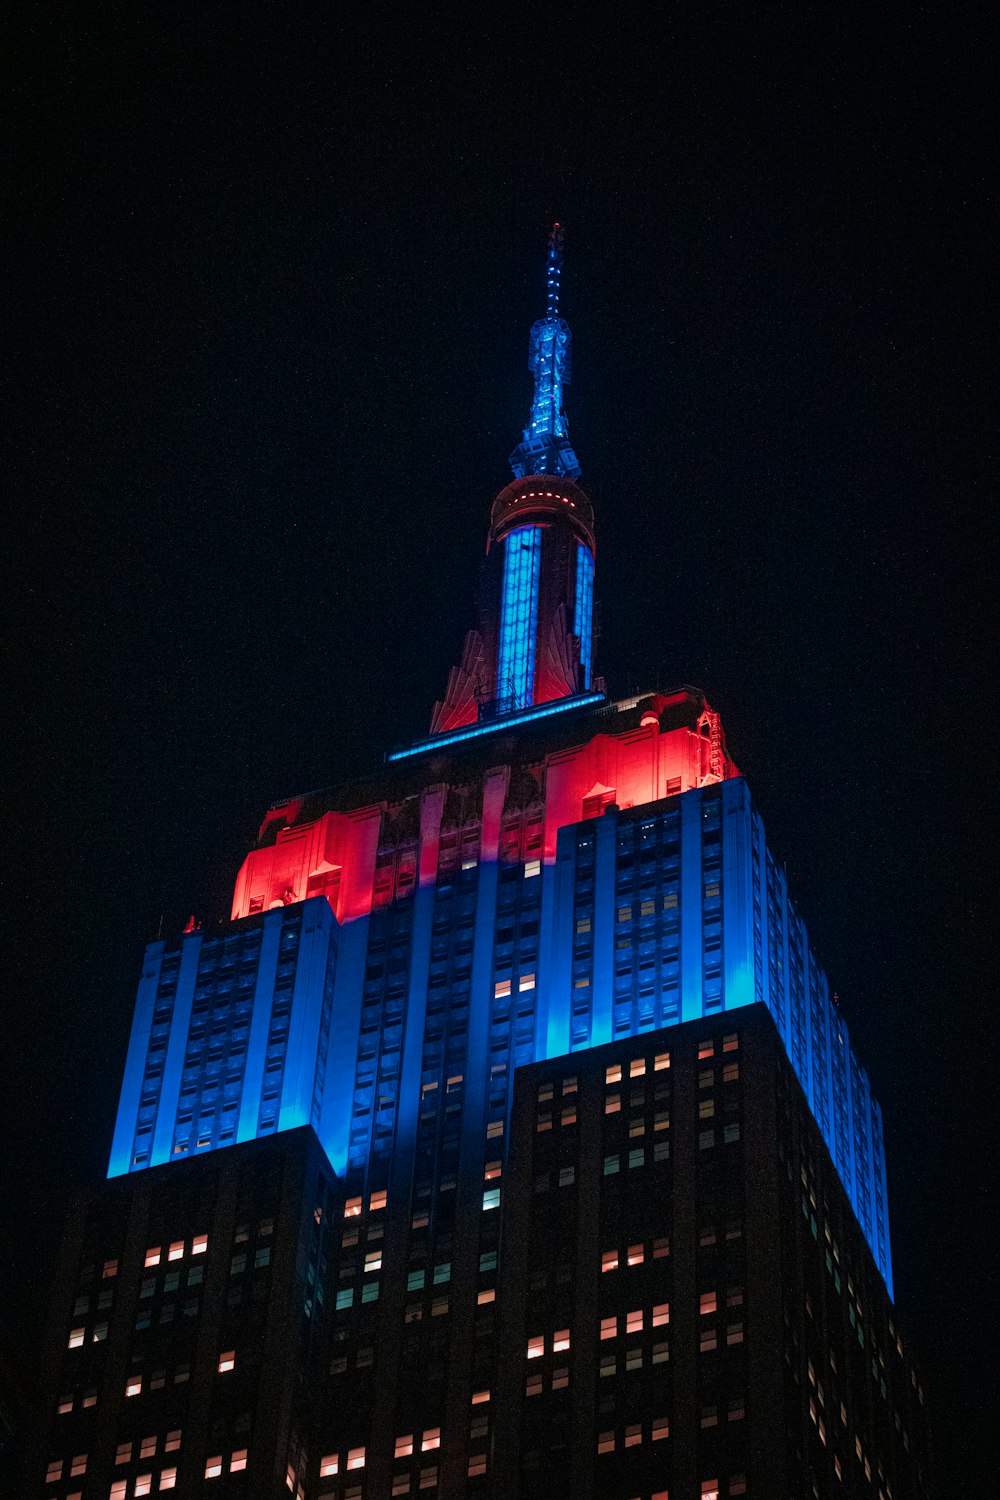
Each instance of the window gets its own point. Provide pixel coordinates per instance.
(118, 1489)
(560, 1341)
(227, 1361)
(661, 1314)
(431, 1439)
(168, 1479)
(706, 1048)
(501, 988)
(143, 1484)
(536, 1346)
(199, 1244)
(133, 1386)
(606, 1442)
(110, 1268)
(526, 982)
(633, 1321)
(660, 1428)
(76, 1336)
(731, 1043)
(176, 1252)
(152, 1256)
(356, 1458)
(377, 1200)
(491, 1199)
(213, 1468)
(636, 1255)
(609, 1328)
(661, 1061)
(707, 1303)
(479, 1397)
(477, 1464)
(532, 867)
(612, 1164)
(238, 1461)
(637, 1067)
(609, 1260)
(404, 1446)
(54, 1471)
(352, 1208)
(613, 1074)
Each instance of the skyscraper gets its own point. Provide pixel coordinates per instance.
(511, 1051)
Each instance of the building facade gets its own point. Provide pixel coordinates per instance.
(548, 882)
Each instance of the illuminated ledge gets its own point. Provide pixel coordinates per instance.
(507, 721)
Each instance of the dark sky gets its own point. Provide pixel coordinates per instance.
(269, 290)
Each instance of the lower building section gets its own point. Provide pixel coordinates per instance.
(658, 1290)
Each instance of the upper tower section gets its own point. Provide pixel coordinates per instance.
(535, 641)
(545, 447)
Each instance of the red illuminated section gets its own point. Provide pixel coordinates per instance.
(656, 746)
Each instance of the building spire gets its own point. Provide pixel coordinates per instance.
(545, 447)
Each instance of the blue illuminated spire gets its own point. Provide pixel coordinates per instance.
(545, 447)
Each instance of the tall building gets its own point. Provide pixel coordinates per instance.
(506, 1141)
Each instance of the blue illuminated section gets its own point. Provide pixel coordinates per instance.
(519, 619)
(496, 726)
(677, 910)
(545, 447)
(229, 1036)
(583, 609)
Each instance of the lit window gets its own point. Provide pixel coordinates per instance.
(532, 867)
(65, 1405)
(143, 1484)
(477, 1464)
(533, 1385)
(661, 1248)
(352, 1208)
(152, 1256)
(613, 1074)
(377, 1200)
(633, 1321)
(373, 1260)
(707, 1303)
(110, 1269)
(78, 1465)
(214, 1467)
(133, 1386)
(404, 1446)
(489, 1295)
(661, 1061)
(118, 1489)
(479, 1397)
(536, 1346)
(76, 1337)
(173, 1441)
(526, 982)
(609, 1328)
(148, 1447)
(501, 988)
(54, 1471)
(494, 1129)
(227, 1361)
(612, 1104)
(238, 1461)
(706, 1049)
(637, 1067)
(730, 1072)
(606, 1442)
(624, 913)
(636, 1255)
(168, 1479)
(609, 1260)
(356, 1458)
(560, 1341)
(633, 1435)
(710, 1489)
(176, 1250)
(660, 1428)
(491, 1199)
(199, 1244)
(612, 1164)
(431, 1439)
(661, 1314)
(731, 1043)
(491, 1170)
(454, 1083)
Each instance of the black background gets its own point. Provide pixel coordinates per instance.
(270, 286)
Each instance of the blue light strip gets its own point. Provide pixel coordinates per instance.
(519, 619)
(508, 721)
(583, 608)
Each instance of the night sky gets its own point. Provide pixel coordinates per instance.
(270, 286)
